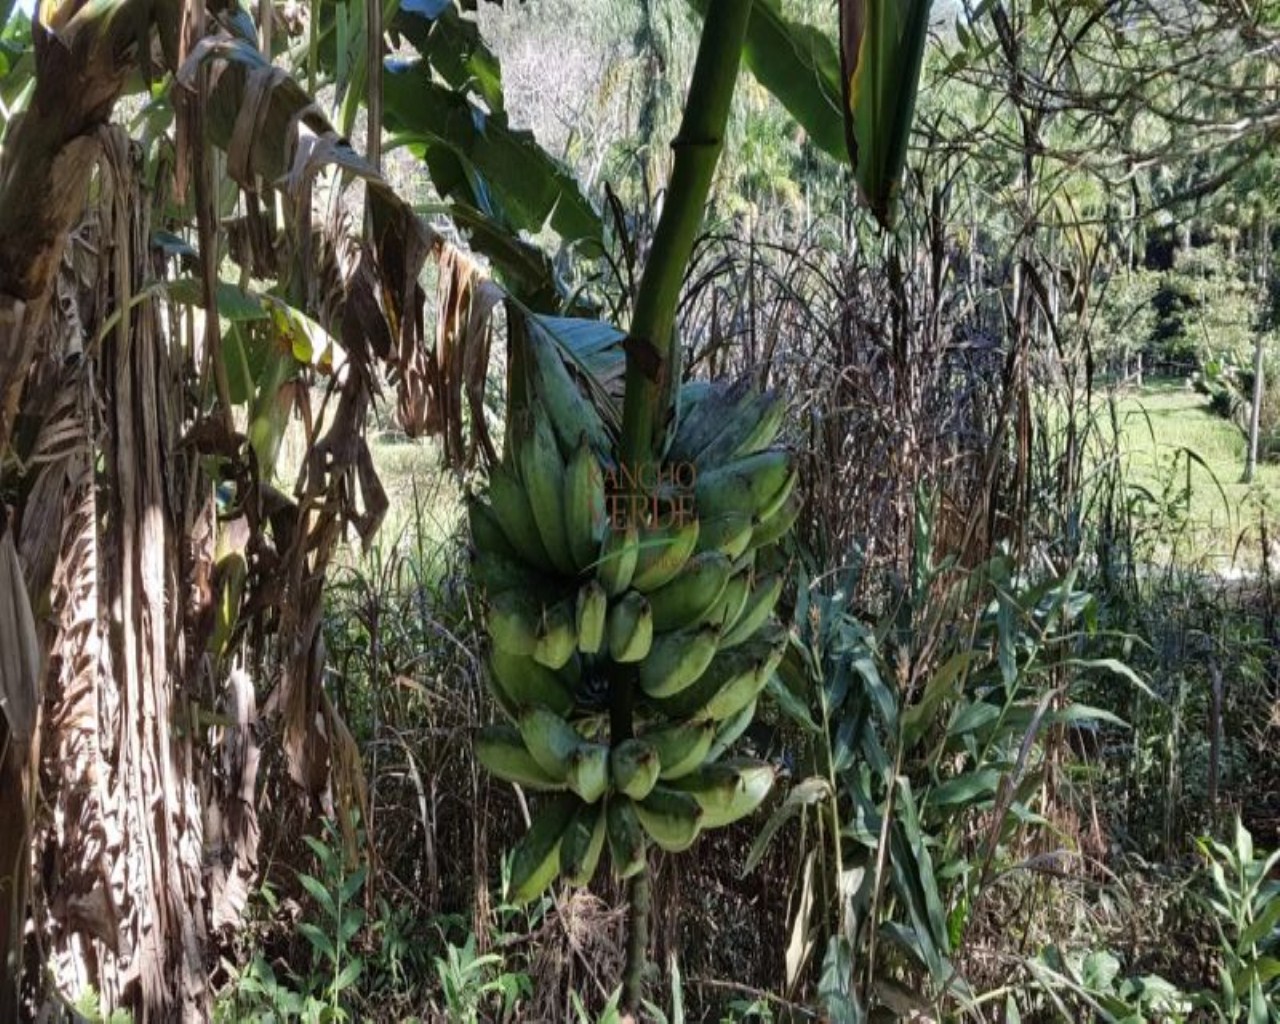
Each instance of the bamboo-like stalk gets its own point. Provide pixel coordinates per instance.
(651, 339)
(651, 351)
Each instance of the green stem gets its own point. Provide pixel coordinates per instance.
(637, 942)
(651, 343)
(651, 351)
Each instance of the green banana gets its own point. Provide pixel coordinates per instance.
(510, 506)
(771, 530)
(571, 415)
(584, 506)
(681, 746)
(487, 534)
(755, 612)
(727, 790)
(663, 553)
(515, 621)
(702, 422)
(582, 844)
(630, 628)
(731, 672)
(729, 533)
(737, 694)
(634, 767)
(592, 611)
(626, 837)
(676, 660)
(557, 639)
(502, 751)
(755, 484)
(550, 740)
(671, 818)
(535, 861)
(763, 430)
(692, 392)
(751, 426)
(588, 773)
(771, 509)
(618, 558)
(518, 681)
(496, 572)
(686, 600)
(542, 470)
(688, 397)
(729, 731)
(732, 601)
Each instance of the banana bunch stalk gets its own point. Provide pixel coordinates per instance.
(656, 594)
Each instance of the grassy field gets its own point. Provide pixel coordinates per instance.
(1190, 462)
(424, 498)
(1200, 493)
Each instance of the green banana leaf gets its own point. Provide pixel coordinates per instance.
(881, 50)
(482, 161)
(452, 45)
(800, 66)
(595, 346)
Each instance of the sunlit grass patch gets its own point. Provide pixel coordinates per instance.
(1192, 462)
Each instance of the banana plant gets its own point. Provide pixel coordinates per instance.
(631, 557)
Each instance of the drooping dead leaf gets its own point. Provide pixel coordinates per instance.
(434, 384)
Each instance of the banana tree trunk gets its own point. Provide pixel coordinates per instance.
(120, 894)
(83, 58)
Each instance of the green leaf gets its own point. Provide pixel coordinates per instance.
(885, 700)
(970, 718)
(968, 788)
(1267, 969)
(1112, 665)
(805, 793)
(1261, 927)
(352, 921)
(320, 942)
(924, 878)
(882, 48)
(1244, 843)
(320, 894)
(1258, 1012)
(453, 46)
(942, 685)
(348, 975)
(791, 705)
(234, 303)
(800, 66)
(504, 172)
(594, 346)
(1099, 971)
(836, 994)
(352, 883)
(1075, 713)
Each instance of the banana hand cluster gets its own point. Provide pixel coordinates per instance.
(657, 591)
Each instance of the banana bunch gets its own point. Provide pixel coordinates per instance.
(605, 587)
